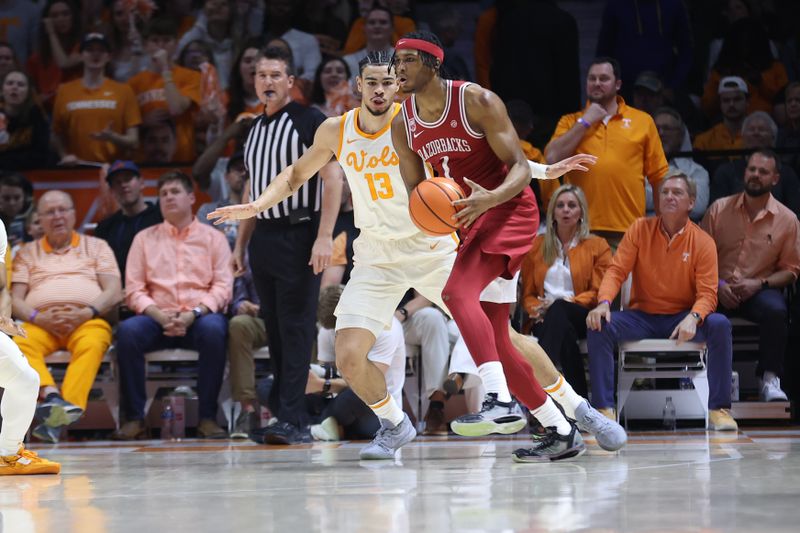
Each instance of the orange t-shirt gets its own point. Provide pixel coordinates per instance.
(149, 89)
(718, 138)
(79, 111)
(357, 39)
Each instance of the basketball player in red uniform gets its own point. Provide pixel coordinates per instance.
(464, 133)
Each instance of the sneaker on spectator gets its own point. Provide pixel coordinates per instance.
(721, 420)
(771, 390)
(286, 433)
(55, 411)
(552, 447)
(244, 424)
(46, 433)
(26, 462)
(209, 429)
(327, 431)
(130, 430)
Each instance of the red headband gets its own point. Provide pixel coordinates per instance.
(423, 46)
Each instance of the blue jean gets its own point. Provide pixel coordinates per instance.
(633, 325)
(769, 309)
(141, 334)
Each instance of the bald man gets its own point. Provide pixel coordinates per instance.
(62, 286)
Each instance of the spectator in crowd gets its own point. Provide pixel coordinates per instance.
(347, 410)
(8, 59)
(210, 118)
(95, 118)
(159, 142)
(426, 327)
(733, 101)
(24, 128)
(20, 20)
(214, 29)
(178, 282)
(758, 132)
(14, 201)
(758, 243)
(328, 22)
(674, 139)
(246, 332)
(378, 30)
(560, 278)
(446, 23)
(652, 36)
(210, 168)
(134, 214)
(167, 91)
(357, 38)
(62, 286)
(127, 48)
(305, 48)
(521, 117)
(331, 92)
(614, 186)
(33, 232)
(235, 178)
(789, 135)
(242, 97)
(673, 264)
(746, 54)
(58, 58)
(648, 92)
(552, 56)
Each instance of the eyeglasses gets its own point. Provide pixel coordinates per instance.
(50, 213)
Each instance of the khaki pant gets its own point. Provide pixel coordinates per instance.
(87, 344)
(245, 333)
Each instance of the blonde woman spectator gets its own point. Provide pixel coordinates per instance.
(560, 278)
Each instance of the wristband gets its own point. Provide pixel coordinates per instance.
(33, 315)
(583, 122)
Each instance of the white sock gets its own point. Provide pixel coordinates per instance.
(494, 380)
(548, 415)
(563, 393)
(387, 409)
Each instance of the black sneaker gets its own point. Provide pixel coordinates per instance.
(552, 447)
(286, 433)
(55, 411)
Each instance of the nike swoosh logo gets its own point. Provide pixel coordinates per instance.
(351, 141)
(434, 245)
(416, 134)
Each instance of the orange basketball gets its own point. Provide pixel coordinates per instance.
(430, 208)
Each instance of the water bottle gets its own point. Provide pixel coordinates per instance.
(167, 419)
(669, 415)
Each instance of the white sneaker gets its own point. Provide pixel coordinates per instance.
(327, 431)
(771, 390)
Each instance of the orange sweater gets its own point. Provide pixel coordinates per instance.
(668, 276)
(588, 262)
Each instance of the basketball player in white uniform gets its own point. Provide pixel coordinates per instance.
(21, 384)
(390, 256)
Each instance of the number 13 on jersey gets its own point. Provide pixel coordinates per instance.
(380, 185)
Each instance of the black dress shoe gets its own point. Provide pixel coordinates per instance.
(286, 433)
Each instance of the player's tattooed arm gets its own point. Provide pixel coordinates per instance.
(412, 167)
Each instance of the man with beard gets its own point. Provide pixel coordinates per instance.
(759, 255)
(134, 215)
(628, 148)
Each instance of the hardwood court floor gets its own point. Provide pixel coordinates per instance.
(684, 481)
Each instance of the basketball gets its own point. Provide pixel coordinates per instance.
(430, 207)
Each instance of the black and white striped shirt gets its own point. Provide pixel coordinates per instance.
(276, 142)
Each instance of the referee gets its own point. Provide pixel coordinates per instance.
(290, 244)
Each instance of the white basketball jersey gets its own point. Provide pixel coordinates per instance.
(380, 200)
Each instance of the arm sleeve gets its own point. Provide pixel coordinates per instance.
(530, 292)
(601, 263)
(106, 261)
(219, 293)
(790, 252)
(706, 278)
(622, 264)
(136, 295)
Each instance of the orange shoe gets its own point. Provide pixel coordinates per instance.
(26, 462)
